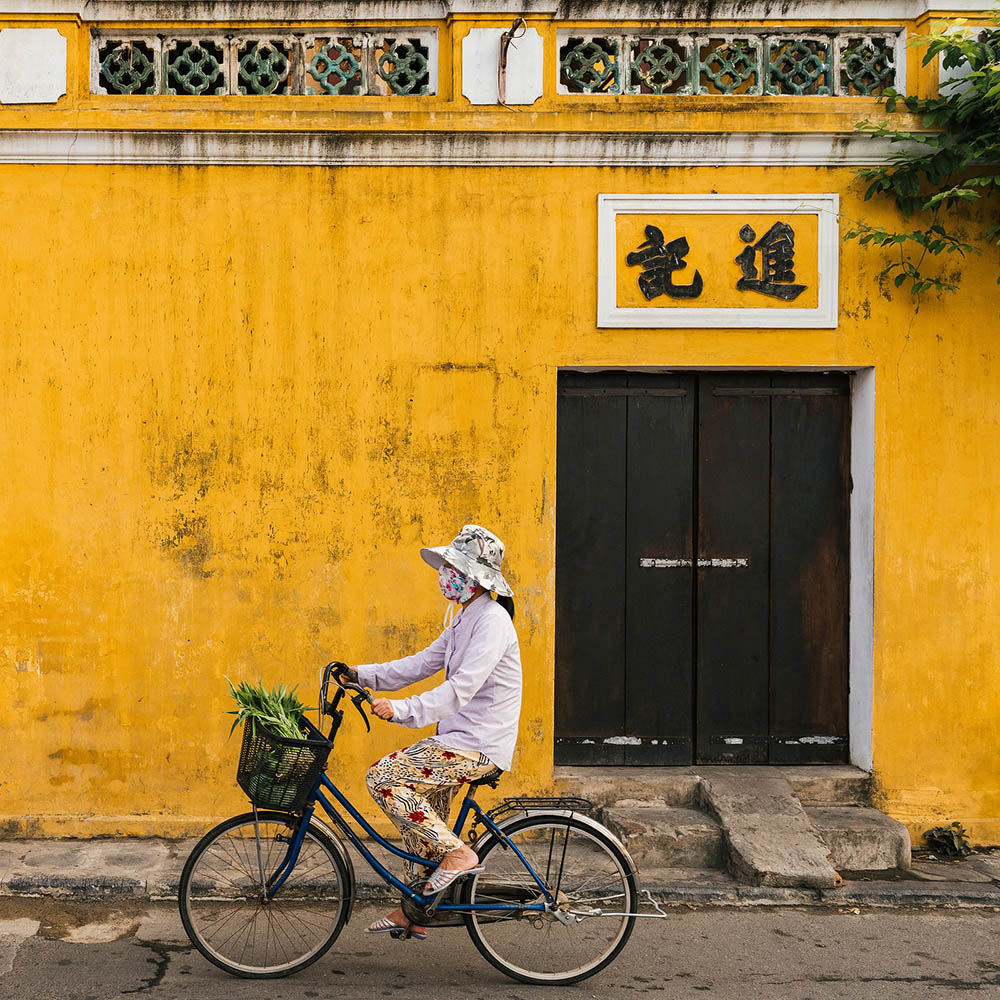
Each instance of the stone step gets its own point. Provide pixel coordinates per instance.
(770, 840)
(829, 785)
(667, 837)
(814, 785)
(604, 786)
(860, 839)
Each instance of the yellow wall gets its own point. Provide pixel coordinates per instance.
(236, 400)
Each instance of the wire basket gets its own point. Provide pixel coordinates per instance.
(277, 772)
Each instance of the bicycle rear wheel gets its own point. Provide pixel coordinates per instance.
(590, 875)
(222, 903)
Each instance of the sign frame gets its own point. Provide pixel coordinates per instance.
(823, 316)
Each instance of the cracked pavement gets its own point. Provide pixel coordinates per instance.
(93, 951)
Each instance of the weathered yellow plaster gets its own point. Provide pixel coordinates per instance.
(236, 401)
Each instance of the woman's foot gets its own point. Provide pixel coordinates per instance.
(462, 859)
(459, 859)
(396, 920)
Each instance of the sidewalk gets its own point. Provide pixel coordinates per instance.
(145, 870)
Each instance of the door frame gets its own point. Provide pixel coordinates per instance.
(861, 585)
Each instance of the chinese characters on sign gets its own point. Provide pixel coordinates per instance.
(771, 273)
(777, 258)
(659, 261)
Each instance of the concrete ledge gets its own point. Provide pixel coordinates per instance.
(937, 894)
(861, 839)
(97, 878)
(657, 836)
(78, 887)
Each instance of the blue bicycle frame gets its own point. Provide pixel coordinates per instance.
(421, 899)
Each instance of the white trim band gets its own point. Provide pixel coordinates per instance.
(451, 149)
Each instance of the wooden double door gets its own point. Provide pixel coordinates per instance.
(702, 579)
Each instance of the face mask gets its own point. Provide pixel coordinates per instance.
(454, 585)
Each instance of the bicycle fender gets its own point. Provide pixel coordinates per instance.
(560, 814)
(345, 856)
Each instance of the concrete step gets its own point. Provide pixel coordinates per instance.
(814, 785)
(604, 786)
(860, 839)
(769, 838)
(667, 837)
(829, 785)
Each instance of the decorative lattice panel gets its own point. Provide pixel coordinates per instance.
(128, 67)
(845, 63)
(661, 65)
(330, 64)
(729, 65)
(403, 65)
(866, 64)
(263, 66)
(335, 65)
(196, 66)
(799, 66)
(590, 65)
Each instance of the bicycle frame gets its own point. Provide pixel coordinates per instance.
(468, 804)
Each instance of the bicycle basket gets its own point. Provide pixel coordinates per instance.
(277, 772)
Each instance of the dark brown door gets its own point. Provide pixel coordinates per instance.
(701, 568)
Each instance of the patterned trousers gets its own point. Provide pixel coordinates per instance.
(415, 787)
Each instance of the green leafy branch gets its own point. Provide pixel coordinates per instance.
(934, 240)
(280, 708)
(938, 170)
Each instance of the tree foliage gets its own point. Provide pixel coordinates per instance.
(954, 161)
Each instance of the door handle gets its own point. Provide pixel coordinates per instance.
(739, 562)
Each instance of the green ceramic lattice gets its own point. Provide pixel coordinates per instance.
(127, 68)
(264, 68)
(729, 67)
(195, 68)
(867, 66)
(660, 66)
(590, 66)
(799, 66)
(404, 67)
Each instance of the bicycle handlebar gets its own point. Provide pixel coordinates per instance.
(334, 670)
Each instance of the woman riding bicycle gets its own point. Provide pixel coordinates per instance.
(476, 708)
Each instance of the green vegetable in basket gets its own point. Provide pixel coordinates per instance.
(274, 773)
(279, 709)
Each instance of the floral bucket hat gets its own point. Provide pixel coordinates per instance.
(475, 552)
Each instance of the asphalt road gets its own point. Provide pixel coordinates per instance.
(53, 951)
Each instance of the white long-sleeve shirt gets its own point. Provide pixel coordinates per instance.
(478, 704)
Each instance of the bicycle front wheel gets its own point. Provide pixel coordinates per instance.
(594, 884)
(223, 905)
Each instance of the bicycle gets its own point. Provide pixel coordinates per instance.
(266, 893)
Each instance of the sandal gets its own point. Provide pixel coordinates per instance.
(385, 926)
(441, 878)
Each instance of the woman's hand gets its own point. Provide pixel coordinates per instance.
(382, 707)
(345, 673)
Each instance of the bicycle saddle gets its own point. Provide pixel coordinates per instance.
(492, 779)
